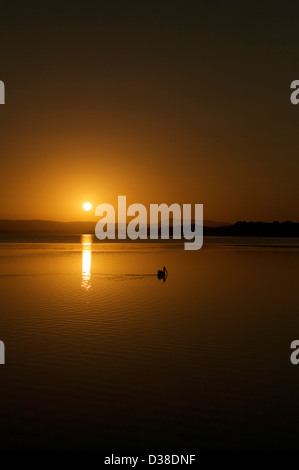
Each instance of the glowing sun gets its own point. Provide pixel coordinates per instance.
(87, 206)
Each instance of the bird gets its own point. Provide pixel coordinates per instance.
(162, 274)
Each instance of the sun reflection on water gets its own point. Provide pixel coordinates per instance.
(86, 241)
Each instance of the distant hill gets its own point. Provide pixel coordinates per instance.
(239, 229)
(256, 229)
(48, 226)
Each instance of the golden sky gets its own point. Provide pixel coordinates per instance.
(157, 106)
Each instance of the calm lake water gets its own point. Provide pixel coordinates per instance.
(102, 354)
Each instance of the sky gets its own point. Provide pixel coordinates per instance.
(161, 101)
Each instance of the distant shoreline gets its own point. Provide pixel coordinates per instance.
(27, 228)
(209, 241)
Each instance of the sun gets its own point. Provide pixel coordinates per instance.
(87, 206)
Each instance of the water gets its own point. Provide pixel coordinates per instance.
(102, 354)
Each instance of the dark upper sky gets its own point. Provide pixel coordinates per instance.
(162, 101)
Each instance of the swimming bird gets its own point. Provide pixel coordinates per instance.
(162, 274)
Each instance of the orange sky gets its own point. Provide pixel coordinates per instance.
(157, 107)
